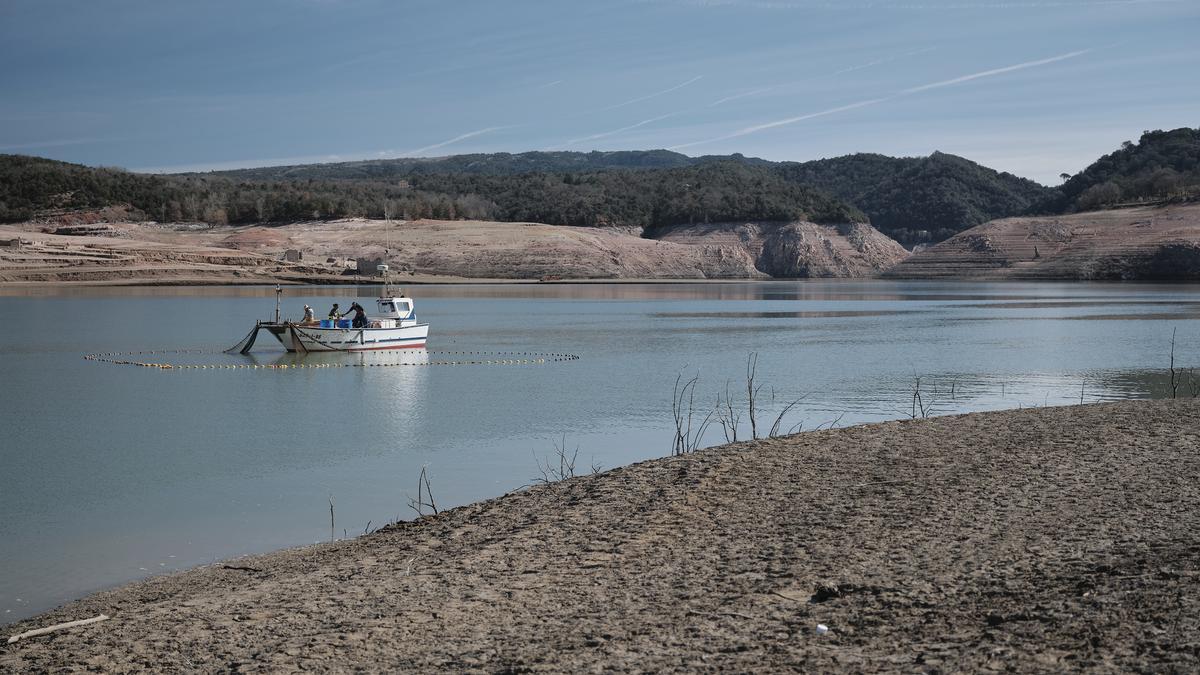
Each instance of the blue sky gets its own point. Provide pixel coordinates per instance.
(1036, 88)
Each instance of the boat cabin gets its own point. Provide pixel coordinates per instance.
(397, 311)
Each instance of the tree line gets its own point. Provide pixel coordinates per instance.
(705, 193)
(912, 199)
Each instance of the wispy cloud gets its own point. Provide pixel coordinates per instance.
(593, 137)
(549, 84)
(647, 97)
(996, 71)
(779, 123)
(879, 62)
(874, 101)
(456, 139)
(840, 71)
(744, 94)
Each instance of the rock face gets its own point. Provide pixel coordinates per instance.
(490, 250)
(445, 250)
(799, 249)
(1132, 244)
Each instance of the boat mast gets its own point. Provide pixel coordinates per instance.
(382, 268)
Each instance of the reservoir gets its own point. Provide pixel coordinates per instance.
(110, 473)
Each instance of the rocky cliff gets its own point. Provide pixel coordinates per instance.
(799, 249)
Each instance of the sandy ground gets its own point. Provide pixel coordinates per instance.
(1038, 540)
(432, 251)
(1121, 244)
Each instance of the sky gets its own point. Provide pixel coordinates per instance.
(1036, 88)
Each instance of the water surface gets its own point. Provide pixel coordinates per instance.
(111, 473)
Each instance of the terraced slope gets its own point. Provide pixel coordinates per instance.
(1130, 244)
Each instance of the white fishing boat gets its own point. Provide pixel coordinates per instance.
(394, 325)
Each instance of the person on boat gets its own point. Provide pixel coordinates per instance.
(308, 315)
(360, 315)
(334, 314)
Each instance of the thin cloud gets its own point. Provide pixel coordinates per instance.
(744, 94)
(848, 69)
(655, 94)
(733, 97)
(779, 123)
(614, 132)
(550, 84)
(460, 137)
(873, 101)
(886, 59)
(996, 71)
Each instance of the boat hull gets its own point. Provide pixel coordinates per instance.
(296, 338)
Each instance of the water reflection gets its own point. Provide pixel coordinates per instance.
(158, 469)
(843, 313)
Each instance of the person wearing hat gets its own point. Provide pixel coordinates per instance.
(308, 315)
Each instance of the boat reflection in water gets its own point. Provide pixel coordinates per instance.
(355, 359)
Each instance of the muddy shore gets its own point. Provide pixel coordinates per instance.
(1037, 540)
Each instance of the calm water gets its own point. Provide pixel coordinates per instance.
(111, 473)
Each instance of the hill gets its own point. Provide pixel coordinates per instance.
(913, 199)
(919, 199)
(1143, 243)
(712, 191)
(1160, 166)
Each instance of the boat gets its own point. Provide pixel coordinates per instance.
(394, 325)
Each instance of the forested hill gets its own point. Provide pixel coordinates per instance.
(920, 199)
(710, 192)
(500, 163)
(1161, 165)
(913, 199)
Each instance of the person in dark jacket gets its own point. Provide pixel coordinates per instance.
(360, 315)
(334, 314)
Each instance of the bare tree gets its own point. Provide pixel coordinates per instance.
(752, 391)
(727, 416)
(424, 498)
(920, 407)
(1174, 377)
(683, 408)
(565, 461)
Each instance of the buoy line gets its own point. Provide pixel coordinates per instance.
(474, 359)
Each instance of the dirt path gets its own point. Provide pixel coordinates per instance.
(1037, 540)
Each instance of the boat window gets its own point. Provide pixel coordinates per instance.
(387, 306)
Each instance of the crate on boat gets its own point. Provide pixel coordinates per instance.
(326, 323)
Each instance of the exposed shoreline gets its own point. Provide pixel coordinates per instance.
(1145, 243)
(1049, 539)
(334, 252)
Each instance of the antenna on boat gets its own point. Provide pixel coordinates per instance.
(382, 268)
